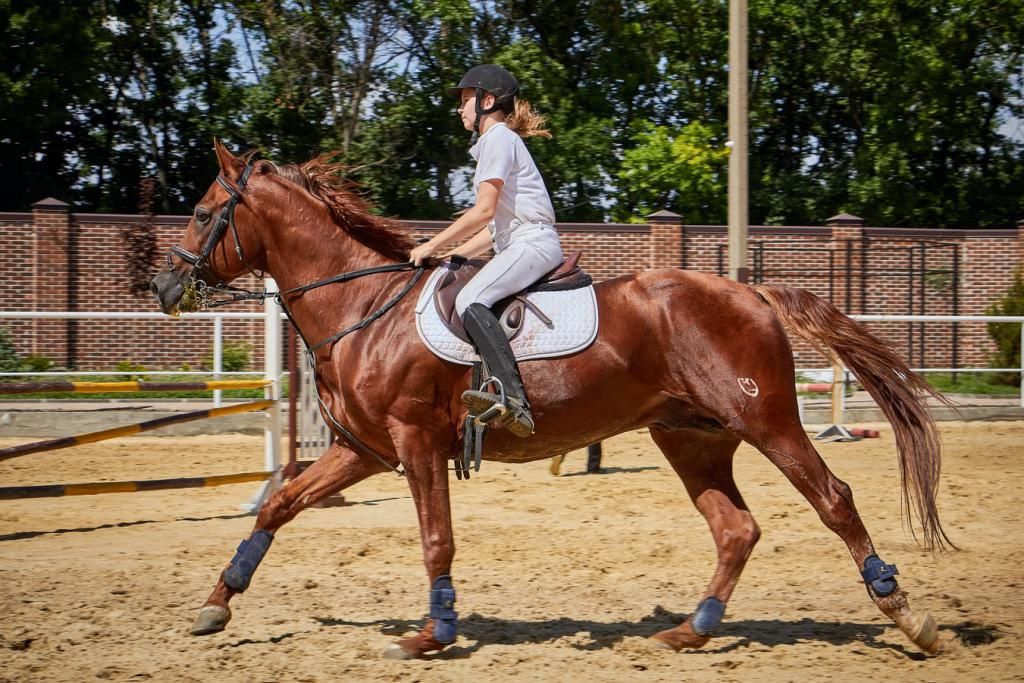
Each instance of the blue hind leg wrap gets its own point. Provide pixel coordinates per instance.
(442, 610)
(707, 616)
(879, 576)
(247, 558)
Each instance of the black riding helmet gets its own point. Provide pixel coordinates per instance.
(493, 79)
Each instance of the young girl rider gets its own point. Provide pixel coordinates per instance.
(513, 213)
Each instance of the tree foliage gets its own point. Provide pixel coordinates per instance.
(1007, 335)
(900, 112)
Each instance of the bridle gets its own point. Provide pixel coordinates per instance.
(225, 219)
(201, 262)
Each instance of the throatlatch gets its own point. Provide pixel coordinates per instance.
(879, 576)
(247, 558)
(442, 610)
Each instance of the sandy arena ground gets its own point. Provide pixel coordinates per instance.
(559, 579)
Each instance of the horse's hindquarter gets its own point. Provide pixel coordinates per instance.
(675, 348)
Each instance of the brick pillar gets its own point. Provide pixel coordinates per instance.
(1020, 243)
(847, 238)
(666, 239)
(51, 270)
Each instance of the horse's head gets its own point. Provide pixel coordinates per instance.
(207, 255)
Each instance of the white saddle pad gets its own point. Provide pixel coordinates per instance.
(573, 328)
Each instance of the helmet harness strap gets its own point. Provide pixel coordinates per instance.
(481, 112)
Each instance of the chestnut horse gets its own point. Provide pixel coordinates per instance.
(701, 361)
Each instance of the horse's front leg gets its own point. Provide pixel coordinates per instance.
(338, 468)
(428, 480)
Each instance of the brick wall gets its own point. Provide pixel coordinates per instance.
(56, 260)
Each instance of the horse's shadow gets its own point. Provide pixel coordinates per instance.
(22, 535)
(478, 630)
(612, 470)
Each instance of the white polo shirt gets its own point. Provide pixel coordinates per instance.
(524, 202)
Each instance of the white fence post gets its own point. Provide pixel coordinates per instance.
(218, 357)
(272, 373)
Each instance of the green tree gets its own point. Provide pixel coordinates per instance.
(686, 173)
(890, 110)
(1007, 335)
(48, 80)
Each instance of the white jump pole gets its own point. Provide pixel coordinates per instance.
(272, 373)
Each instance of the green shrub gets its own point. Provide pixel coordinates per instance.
(127, 367)
(1007, 335)
(38, 363)
(234, 356)
(10, 361)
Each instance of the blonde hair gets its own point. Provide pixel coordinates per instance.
(527, 121)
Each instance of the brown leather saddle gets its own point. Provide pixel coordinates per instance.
(511, 311)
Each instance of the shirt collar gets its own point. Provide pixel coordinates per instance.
(474, 151)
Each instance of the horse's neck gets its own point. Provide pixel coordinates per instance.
(316, 251)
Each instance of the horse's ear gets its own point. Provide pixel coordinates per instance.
(230, 166)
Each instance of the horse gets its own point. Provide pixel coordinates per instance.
(701, 361)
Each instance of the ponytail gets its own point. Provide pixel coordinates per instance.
(526, 121)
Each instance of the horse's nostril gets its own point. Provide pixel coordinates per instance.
(153, 288)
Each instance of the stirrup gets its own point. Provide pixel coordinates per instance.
(485, 405)
(498, 410)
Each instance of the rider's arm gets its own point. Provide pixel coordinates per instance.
(474, 246)
(479, 215)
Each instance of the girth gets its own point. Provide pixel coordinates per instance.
(511, 310)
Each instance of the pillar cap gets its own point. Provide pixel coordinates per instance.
(51, 204)
(665, 216)
(845, 219)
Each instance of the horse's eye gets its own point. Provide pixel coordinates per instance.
(202, 216)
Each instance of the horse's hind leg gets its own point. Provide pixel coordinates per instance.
(703, 460)
(792, 452)
(336, 469)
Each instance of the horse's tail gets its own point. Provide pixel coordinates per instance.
(898, 391)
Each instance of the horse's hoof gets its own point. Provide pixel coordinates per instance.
(658, 644)
(211, 619)
(396, 652)
(927, 636)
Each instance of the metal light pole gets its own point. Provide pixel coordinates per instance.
(738, 140)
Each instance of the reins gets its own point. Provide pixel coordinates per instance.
(200, 262)
(365, 322)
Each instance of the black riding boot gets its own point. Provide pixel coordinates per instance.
(491, 342)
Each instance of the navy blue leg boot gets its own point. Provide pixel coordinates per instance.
(707, 616)
(879, 577)
(247, 558)
(442, 610)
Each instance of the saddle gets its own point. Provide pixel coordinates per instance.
(510, 311)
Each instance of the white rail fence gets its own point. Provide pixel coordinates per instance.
(272, 317)
(313, 435)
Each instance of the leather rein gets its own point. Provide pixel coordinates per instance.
(201, 263)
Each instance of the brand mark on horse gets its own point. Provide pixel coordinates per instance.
(748, 385)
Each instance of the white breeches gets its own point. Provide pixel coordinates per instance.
(524, 261)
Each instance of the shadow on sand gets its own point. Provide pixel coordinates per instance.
(480, 630)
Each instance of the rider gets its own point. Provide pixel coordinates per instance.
(512, 213)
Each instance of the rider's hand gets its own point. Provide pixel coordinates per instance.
(421, 253)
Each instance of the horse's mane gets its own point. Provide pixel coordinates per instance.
(322, 178)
